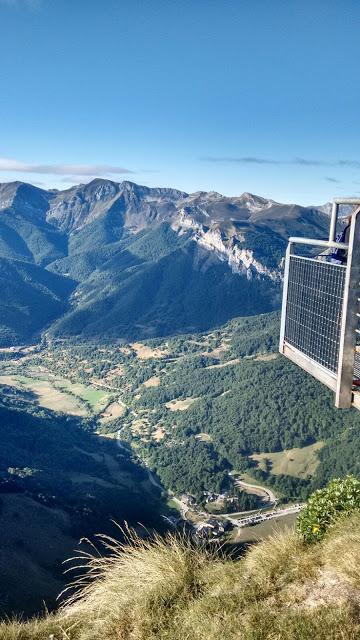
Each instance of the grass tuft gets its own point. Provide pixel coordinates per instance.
(170, 589)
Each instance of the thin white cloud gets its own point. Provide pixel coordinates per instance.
(16, 166)
(329, 179)
(304, 162)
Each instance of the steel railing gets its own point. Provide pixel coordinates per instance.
(319, 311)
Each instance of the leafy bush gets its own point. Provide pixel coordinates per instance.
(325, 506)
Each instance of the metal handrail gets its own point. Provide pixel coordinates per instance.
(319, 243)
(331, 243)
(354, 201)
(334, 213)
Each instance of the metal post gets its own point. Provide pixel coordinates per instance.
(284, 300)
(333, 221)
(343, 394)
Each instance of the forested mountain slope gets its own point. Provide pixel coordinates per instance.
(59, 482)
(31, 298)
(130, 261)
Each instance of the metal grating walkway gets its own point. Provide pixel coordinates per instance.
(313, 314)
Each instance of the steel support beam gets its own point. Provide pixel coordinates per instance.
(285, 293)
(345, 374)
(333, 221)
(310, 366)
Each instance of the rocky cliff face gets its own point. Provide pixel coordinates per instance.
(217, 223)
(226, 247)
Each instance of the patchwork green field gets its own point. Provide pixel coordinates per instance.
(96, 398)
(59, 394)
(46, 394)
(299, 462)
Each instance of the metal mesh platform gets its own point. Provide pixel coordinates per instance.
(313, 310)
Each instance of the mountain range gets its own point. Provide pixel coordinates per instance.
(122, 260)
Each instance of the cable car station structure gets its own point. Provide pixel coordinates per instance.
(320, 310)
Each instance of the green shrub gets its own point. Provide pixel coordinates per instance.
(325, 506)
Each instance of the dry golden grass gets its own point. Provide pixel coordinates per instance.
(144, 352)
(180, 405)
(152, 382)
(342, 549)
(169, 589)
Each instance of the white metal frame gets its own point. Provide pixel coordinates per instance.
(341, 381)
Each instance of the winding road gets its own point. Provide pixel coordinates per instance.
(257, 489)
(249, 517)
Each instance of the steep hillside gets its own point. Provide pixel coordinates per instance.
(184, 288)
(24, 232)
(59, 482)
(281, 589)
(31, 298)
(142, 261)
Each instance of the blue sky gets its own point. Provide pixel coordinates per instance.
(225, 95)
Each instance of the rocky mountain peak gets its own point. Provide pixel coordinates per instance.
(253, 202)
(24, 198)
